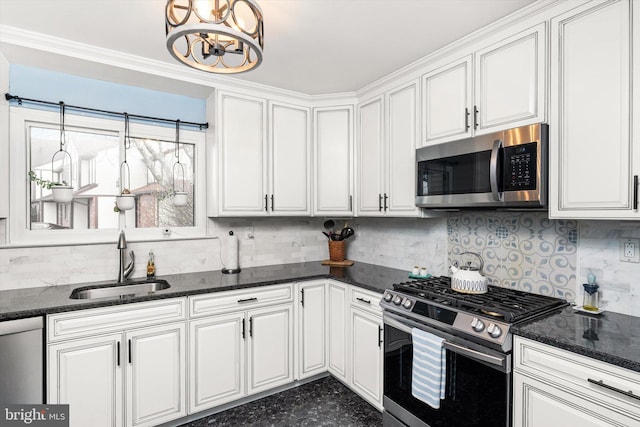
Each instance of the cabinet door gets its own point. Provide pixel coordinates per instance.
(216, 360)
(156, 375)
(447, 106)
(593, 151)
(510, 81)
(290, 160)
(270, 348)
(400, 194)
(538, 404)
(242, 131)
(333, 160)
(312, 328)
(370, 158)
(366, 356)
(337, 320)
(87, 375)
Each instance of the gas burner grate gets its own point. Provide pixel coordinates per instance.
(507, 304)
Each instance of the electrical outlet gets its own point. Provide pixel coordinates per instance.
(630, 250)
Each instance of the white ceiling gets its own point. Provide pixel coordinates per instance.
(311, 46)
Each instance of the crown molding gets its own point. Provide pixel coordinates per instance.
(17, 37)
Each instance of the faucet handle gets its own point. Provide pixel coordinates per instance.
(131, 266)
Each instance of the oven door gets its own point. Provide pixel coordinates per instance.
(478, 381)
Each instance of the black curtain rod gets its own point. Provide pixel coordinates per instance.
(20, 100)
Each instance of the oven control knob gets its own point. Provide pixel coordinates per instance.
(494, 330)
(477, 324)
(388, 297)
(407, 304)
(397, 300)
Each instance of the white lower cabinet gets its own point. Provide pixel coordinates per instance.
(242, 352)
(312, 328)
(270, 348)
(156, 375)
(337, 329)
(366, 355)
(87, 374)
(120, 365)
(216, 360)
(554, 387)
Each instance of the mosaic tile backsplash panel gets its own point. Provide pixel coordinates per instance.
(525, 251)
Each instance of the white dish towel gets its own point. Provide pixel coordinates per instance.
(428, 380)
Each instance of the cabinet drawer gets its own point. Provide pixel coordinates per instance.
(366, 300)
(116, 318)
(573, 370)
(224, 302)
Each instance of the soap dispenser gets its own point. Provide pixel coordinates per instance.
(151, 266)
(590, 299)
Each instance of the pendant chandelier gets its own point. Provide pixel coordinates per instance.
(218, 36)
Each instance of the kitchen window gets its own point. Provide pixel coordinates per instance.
(96, 147)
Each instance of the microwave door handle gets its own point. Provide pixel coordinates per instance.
(493, 170)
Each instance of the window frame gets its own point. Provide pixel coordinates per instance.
(21, 118)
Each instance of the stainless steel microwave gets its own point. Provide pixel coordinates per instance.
(506, 169)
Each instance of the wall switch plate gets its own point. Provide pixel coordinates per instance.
(630, 250)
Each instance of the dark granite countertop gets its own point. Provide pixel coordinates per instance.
(610, 337)
(28, 302)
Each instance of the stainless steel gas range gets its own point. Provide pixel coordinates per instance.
(477, 338)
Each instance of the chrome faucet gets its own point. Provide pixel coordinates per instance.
(124, 272)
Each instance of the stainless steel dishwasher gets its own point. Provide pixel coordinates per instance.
(21, 361)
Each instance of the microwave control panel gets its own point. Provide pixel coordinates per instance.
(520, 166)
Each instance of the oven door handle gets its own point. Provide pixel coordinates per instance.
(474, 354)
(493, 170)
(500, 362)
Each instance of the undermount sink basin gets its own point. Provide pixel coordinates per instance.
(120, 290)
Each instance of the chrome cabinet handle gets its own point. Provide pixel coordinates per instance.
(366, 301)
(466, 118)
(385, 201)
(475, 117)
(130, 352)
(379, 202)
(379, 336)
(266, 203)
(302, 299)
(493, 171)
(251, 326)
(272, 203)
(244, 336)
(635, 192)
(612, 388)
(247, 300)
(118, 355)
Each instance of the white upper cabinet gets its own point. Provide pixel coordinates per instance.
(262, 175)
(242, 149)
(400, 164)
(333, 136)
(387, 135)
(594, 160)
(447, 102)
(497, 87)
(290, 160)
(510, 81)
(370, 157)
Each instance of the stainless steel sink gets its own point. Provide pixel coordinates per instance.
(120, 290)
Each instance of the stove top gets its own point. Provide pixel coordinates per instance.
(508, 305)
(482, 318)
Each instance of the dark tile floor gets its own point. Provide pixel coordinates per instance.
(325, 402)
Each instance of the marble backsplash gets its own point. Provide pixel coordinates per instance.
(523, 250)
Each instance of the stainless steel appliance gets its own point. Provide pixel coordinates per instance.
(21, 361)
(506, 169)
(478, 341)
